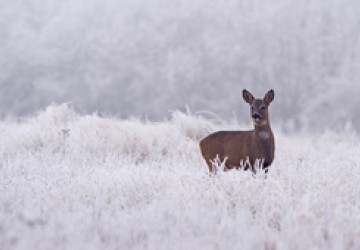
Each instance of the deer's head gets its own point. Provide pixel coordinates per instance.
(259, 107)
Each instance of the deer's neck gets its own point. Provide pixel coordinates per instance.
(263, 132)
(264, 142)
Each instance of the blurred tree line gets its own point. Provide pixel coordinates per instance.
(148, 57)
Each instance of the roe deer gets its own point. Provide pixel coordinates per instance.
(236, 147)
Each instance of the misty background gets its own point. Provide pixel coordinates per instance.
(148, 57)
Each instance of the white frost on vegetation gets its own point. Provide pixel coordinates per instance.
(129, 184)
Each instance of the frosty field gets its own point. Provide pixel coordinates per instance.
(71, 181)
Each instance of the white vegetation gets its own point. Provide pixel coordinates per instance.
(129, 184)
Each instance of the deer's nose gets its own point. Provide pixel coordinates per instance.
(256, 116)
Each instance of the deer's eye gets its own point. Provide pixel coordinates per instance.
(262, 107)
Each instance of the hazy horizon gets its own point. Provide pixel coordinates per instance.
(146, 58)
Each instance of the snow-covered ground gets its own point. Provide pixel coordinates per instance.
(70, 181)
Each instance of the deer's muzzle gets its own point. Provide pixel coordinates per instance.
(256, 117)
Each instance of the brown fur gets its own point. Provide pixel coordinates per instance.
(238, 146)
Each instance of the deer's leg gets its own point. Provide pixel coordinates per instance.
(252, 166)
(210, 166)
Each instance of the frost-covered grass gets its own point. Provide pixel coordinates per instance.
(129, 184)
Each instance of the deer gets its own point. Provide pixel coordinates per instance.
(233, 148)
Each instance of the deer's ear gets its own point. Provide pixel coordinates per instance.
(269, 97)
(248, 97)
